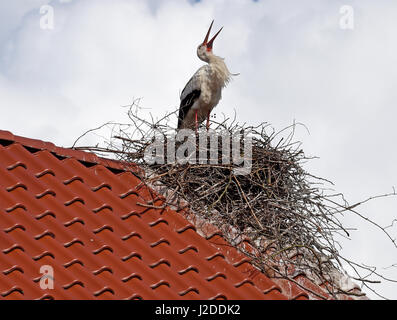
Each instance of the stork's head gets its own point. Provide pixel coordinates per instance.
(204, 50)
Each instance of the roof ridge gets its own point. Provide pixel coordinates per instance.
(84, 156)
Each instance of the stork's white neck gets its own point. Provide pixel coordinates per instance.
(207, 56)
(213, 59)
(221, 71)
(221, 74)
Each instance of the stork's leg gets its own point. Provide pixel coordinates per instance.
(196, 122)
(208, 120)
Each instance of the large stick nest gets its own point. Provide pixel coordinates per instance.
(284, 212)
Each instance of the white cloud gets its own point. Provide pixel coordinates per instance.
(295, 63)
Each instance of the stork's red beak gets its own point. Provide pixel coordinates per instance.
(210, 43)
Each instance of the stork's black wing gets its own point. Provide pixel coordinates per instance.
(186, 104)
(189, 96)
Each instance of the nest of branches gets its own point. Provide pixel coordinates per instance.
(276, 212)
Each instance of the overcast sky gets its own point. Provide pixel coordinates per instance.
(295, 61)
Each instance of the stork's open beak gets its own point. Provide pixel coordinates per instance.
(210, 43)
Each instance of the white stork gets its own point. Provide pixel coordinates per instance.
(204, 90)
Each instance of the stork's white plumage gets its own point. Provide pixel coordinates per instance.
(204, 90)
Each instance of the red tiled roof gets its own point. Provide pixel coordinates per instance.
(80, 214)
